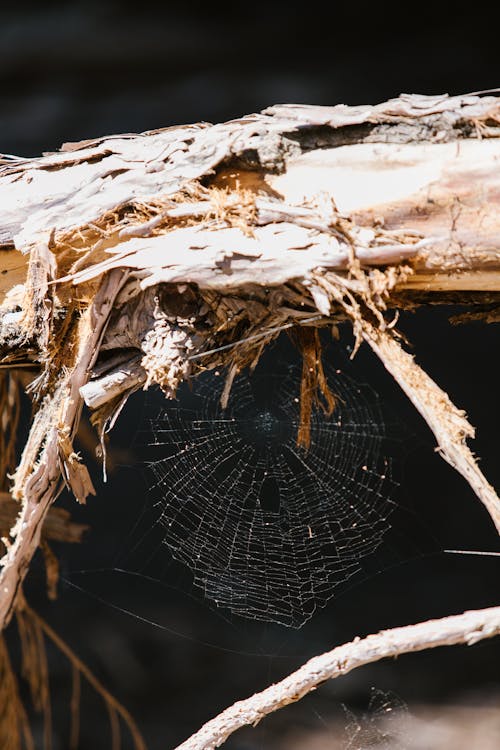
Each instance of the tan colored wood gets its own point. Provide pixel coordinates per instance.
(13, 269)
(467, 628)
(145, 259)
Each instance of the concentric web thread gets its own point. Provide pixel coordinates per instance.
(267, 528)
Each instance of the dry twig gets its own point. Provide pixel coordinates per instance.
(467, 628)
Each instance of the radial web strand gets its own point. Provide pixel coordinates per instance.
(268, 528)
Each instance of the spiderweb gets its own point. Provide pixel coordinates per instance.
(267, 528)
(384, 726)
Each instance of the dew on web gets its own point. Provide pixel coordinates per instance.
(269, 529)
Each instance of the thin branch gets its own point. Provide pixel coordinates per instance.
(127, 376)
(467, 628)
(114, 706)
(448, 423)
(48, 455)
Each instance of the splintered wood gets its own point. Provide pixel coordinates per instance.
(134, 260)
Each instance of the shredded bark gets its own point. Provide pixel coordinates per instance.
(313, 383)
(220, 237)
(144, 260)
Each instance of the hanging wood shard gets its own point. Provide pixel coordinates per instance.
(132, 260)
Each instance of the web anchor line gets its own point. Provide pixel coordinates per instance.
(255, 337)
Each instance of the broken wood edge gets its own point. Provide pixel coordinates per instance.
(48, 453)
(467, 628)
(183, 192)
(448, 423)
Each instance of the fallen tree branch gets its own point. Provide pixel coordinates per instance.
(129, 261)
(467, 628)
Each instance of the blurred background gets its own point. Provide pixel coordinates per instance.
(74, 70)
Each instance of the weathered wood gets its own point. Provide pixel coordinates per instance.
(215, 238)
(467, 628)
(48, 459)
(446, 193)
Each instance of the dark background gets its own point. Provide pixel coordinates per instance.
(76, 70)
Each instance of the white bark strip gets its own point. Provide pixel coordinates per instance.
(38, 477)
(225, 258)
(129, 375)
(467, 628)
(448, 423)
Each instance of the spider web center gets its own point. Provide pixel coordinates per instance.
(266, 427)
(268, 529)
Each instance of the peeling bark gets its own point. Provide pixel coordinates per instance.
(146, 259)
(448, 423)
(48, 460)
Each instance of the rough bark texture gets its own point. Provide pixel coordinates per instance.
(48, 459)
(468, 628)
(138, 259)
